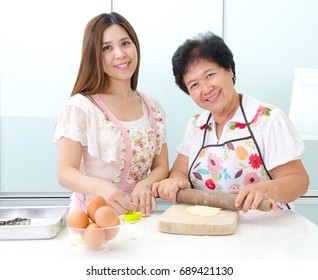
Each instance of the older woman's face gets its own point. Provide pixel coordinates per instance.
(210, 86)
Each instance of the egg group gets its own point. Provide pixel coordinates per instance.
(95, 225)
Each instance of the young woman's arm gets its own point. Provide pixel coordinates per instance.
(70, 177)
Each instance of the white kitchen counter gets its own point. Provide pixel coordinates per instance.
(282, 235)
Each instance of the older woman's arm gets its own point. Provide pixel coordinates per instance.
(290, 181)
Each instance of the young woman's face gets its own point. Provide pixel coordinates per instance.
(210, 86)
(119, 53)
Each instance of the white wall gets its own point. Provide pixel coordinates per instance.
(269, 38)
(40, 52)
(40, 48)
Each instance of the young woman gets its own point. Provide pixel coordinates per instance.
(112, 139)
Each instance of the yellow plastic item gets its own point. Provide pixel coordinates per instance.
(132, 216)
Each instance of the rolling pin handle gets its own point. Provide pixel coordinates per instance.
(265, 205)
(215, 199)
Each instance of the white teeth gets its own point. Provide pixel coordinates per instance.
(213, 97)
(122, 65)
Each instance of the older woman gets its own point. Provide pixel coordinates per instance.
(238, 144)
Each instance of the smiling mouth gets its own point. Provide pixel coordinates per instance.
(124, 65)
(212, 98)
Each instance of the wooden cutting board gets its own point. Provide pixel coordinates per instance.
(176, 219)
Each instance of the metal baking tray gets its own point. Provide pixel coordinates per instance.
(45, 222)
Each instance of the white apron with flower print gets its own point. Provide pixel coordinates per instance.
(230, 165)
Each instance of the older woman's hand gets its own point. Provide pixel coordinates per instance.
(167, 189)
(251, 196)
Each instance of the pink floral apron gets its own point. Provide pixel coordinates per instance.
(138, 154)
(229, 165)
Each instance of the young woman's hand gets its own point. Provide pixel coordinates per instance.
(144, 198)
(117, 199)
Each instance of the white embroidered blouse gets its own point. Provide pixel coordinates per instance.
(104, 150)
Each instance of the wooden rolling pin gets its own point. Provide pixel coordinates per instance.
(215, 199)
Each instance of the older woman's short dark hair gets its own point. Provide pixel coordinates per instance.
(207, 46)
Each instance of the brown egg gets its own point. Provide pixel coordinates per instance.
(112, 232)
(105, 216)
(77, 219)
(94, 203)
(94, 237)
